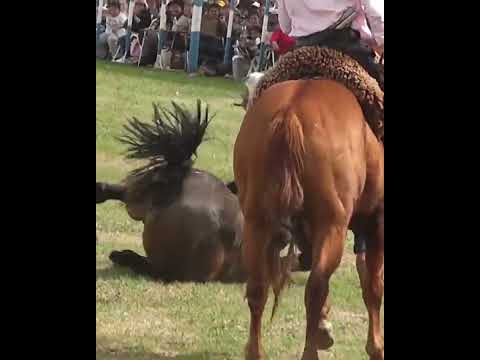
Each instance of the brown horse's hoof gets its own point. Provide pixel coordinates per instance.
(310, 354)
(253, 354)
(378, 356)
(324, 336)
(375, 353)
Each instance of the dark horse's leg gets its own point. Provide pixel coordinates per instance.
(373, 287)
(128, 258)
(106, 191)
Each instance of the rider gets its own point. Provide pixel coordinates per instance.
(354, 27)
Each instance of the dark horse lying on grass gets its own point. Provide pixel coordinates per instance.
(192, 221)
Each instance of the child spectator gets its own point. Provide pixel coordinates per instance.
(141, 16)
(115, 26)
(254, 39)
(254, 19)
(281, 42)
(154, 6)
(174, 12)
(184, 22)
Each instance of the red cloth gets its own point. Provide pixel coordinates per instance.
(284, 41)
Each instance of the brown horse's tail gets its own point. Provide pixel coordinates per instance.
(284, 165)
(284, 190)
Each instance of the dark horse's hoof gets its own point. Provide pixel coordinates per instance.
(124, 257)
(130, 259)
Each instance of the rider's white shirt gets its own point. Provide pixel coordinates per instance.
(304, 17)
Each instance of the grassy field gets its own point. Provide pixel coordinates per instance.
(137, 318)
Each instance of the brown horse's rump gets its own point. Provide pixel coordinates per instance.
(316, 62)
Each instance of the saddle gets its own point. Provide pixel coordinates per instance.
(314, 62)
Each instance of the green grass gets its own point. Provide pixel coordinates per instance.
(140, 319)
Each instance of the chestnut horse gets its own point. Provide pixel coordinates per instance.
(305, 151)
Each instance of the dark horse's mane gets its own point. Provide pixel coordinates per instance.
(168, 143)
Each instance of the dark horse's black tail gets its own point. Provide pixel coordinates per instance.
(168, 143)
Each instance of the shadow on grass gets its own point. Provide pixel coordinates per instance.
(114, 272)
(107, 351)
(134, 355)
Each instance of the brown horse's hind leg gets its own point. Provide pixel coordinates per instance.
(324, 338)
(373, 291)
(254, 253)
(327, 252)
(128, 258)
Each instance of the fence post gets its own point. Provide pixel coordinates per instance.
(99, 17)
(162, 35)
(264, 35)
(227, 58)
(195, 36)
(131, 5)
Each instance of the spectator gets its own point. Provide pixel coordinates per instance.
(174, 12)
(154, 6)
(281, 42)
(211, 50)
(237, 25)
(124, 6)
(253, 39)
(212, 24)
(261, 12)
(141, 16)
(181, 28)
(254, 19)
(243, 13)
(140, 22)
(101, 44)
(115, 30)
(224, 12)
(184, 22)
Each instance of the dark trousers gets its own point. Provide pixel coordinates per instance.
(348, 42)
(211, 48)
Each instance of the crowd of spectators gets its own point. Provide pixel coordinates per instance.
(142, 48)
